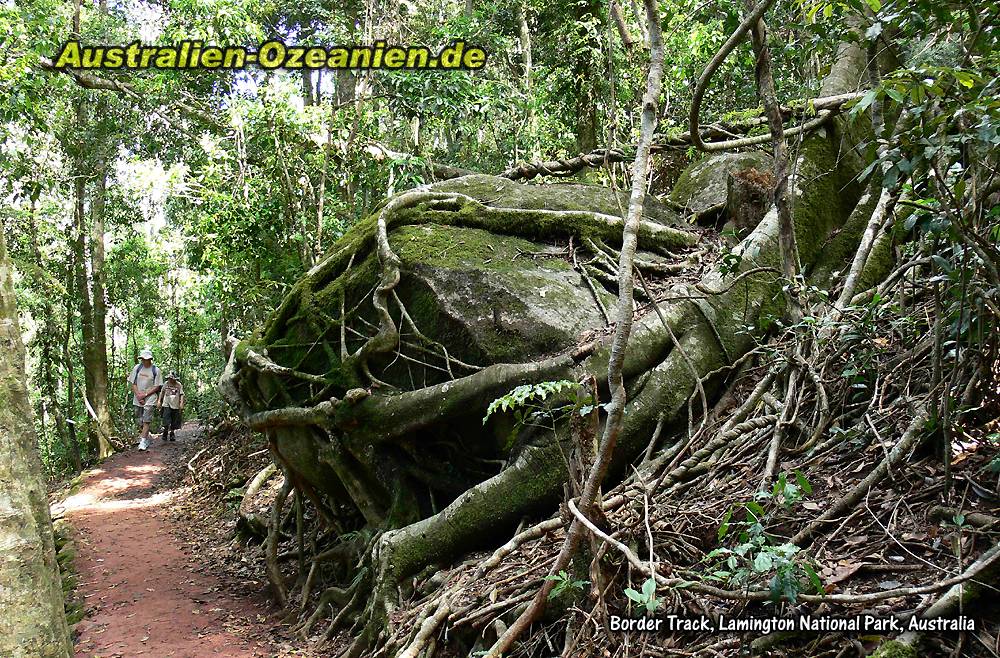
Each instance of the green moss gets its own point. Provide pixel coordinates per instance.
(66, 555)
(895, 649)
(70, 581)
(742, 115)
(456, 248)
(75, 613)
(241, 351)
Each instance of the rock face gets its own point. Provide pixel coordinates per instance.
(489, 296)
(704, 184)
(505, 193)
(496, 298)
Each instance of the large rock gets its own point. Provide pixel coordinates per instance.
(495, 298)
(489, 297)
(704, 184)
(398, 439)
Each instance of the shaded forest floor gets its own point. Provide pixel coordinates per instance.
(145, 581)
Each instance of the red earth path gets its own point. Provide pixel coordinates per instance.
(140, 586)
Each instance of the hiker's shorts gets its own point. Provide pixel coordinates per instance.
(143, 414)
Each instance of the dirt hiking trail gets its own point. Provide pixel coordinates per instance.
(142, 590)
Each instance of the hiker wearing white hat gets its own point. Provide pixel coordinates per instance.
(146, 382)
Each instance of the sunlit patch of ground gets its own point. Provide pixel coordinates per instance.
(145, 595)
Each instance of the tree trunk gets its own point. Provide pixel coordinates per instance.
(584, 76)
(32, 621)
(68, 365)
(307, 88)
(95, 438)
(616, 14)
(534, 148)
(98, 361)
(765, 89)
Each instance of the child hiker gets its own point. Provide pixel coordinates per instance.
(171, 403)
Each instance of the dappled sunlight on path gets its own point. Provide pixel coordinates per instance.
(142, 593)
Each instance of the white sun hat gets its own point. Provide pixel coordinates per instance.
(146, 354)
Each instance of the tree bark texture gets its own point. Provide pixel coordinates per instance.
(32, 621)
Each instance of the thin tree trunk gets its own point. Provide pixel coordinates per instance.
(32, 620)
(307, 88)
(321, 200)
(82, 289)
(534, 148)
(70, 412)
(786, 235)
(616, 14)
(584, 77)
(99, 353)
(642, 28)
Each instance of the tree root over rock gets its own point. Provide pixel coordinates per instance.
(372, 399)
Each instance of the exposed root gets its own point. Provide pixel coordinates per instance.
(274, 574)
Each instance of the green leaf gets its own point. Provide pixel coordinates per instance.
(865, 101)
(964, 79)
(649, 587)
(634, 595)
(803, 482)
(763, 562)
(755, 509)
(813, 578)
(724, 526)
(895, 94)
(942, 262)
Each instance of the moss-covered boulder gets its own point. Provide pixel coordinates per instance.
(372, 379)
(484, 272)
(496, 298)
(704, 184)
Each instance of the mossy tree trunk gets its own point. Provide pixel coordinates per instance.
(32, 621)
